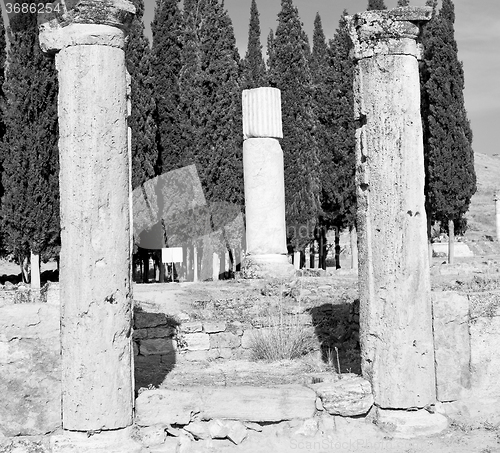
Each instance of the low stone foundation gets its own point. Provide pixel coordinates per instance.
(466, 328)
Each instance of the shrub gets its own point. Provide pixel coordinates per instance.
(285, 338)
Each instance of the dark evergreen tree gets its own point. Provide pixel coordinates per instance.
(142, 120)
(290, 72)
(210, 104)
(3, 61)
(30, 202)
(254, 68)
(403, 3)
(449, 158)
(165, 68)
(211, 101)
(336, 132)
(376, 4)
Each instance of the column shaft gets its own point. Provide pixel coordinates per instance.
(95, 254)
(394, 281)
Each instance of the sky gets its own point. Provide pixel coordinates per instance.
(477, 31)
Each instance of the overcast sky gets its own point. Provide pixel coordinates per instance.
(477, 30)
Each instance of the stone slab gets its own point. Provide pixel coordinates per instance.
(451, 344)
(347, 397)
(197, 341)
(461, 249)
(30, 369)
(119, 441)
(235, 403)
(410, 424)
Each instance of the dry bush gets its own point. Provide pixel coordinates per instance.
(285, 338)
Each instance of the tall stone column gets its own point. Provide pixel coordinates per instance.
(96, 295)
(264, 177)
(497, 212)
(394, 280)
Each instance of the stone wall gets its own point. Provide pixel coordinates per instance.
(30, 370)
(466, 329)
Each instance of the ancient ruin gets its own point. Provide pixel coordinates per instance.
(497, 213)
(394, 281)
(266, 252)
(97, 377)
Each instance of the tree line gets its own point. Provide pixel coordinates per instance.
(186, 109)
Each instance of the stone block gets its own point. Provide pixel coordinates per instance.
(483, 398)
(116, 441)
(197, 341)
(199, 430)
(144, 319)
(161, 346)
(461, 249)
(451, 344)
(237, 431)
(217, 429)
(409, 424)
(224, 340)
(262, 113)
(194, 356)
(214, 326)
(169, 407)
(152, 435)
(245, 403)
(30, 369)
(347, 397)
(161, 332)
(191, 327)
(179, 406)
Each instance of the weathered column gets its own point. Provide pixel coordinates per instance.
(394, 282)
(264, 184)
(497, 213)
(97, 379)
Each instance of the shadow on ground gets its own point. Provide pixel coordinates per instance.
(154, 349)
(337, 329)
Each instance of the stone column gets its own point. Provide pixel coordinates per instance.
(96, 295)
(497, 213)
(394, 280)
(264, 184)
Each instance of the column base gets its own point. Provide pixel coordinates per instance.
(403, 424)
(267, 266)
(119, 441)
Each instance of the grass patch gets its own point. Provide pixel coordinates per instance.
(285, 338)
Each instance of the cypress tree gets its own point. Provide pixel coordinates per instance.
(449, 158)
(403, 3)
(210, 103)
(30, 202)
(336, 127)
(165, 66)
(142, 120)
(376, 5)
(3, 61)
(290, 72)
(254, 68)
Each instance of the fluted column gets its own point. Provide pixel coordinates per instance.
(264, 177)
(97, 380)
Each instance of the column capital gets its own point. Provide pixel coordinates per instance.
(85, 22)
(387, 32)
